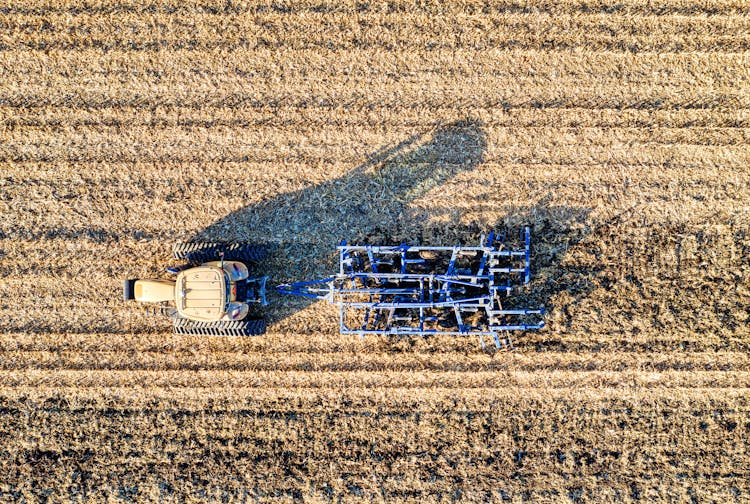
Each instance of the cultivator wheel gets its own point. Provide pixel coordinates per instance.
(248, 327)
(198, 252)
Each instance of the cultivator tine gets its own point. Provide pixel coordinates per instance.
(497, 341)
(459, 318)
(377, 317)
(485, 257)
(345, 260)
(490, 239)
(527, 265)
(371, 256)
(500, 343)
(452, 264)
(367, 315)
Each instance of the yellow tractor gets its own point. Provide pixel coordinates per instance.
(212, 293)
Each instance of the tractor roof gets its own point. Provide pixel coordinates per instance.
(201, 293)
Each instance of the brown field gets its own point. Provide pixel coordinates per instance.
(619, 130)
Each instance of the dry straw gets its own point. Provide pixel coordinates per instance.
(618, 132)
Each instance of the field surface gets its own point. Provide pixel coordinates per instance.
(619, 131)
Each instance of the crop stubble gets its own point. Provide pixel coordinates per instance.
(619, 133)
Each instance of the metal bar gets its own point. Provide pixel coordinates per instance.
(507, 270)
(507, 288)
(446, 304)
(390, 318)
(411, 276)
(517, 327)
(396, 249)
(416, 281)
(460, 282)
(539, 311)
(485, 255)
(459, 319)
(367, 315)
(527, 277)
(452, 264)
(415, 331)
(415, 290)
(510, 253)
(371, 256)
(343, 256)
(304, 288)
(490, 239)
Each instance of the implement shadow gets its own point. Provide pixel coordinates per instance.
(370, 204)
(556, 230)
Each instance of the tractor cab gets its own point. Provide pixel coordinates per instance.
(212, 291)
(205, 296)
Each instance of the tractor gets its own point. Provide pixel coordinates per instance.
(211, 293)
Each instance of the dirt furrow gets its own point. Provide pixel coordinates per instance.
(141, 372)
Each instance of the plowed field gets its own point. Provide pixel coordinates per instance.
(619, 131)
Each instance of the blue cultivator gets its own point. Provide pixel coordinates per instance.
(428, 290)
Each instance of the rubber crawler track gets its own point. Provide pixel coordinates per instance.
(250, 327)
(197, 252)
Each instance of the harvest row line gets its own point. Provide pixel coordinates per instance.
(476, 93)
(281, 66)
(399, 31)
(317, 7)
(95, 371)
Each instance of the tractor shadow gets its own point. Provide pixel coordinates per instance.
(370, 204)
(373, 204)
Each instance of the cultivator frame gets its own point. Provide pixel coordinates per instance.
(422, 291)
